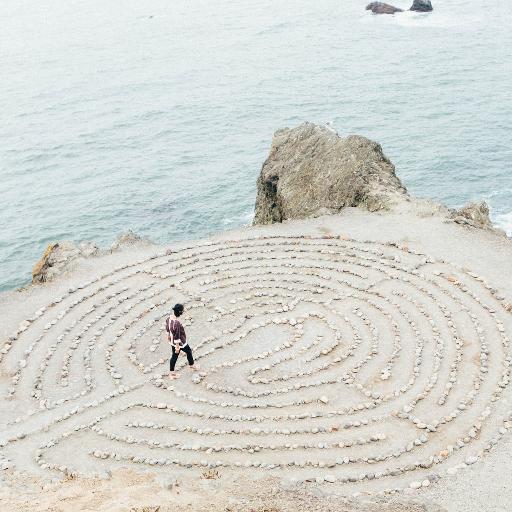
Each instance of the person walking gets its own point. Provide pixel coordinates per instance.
(178, 339)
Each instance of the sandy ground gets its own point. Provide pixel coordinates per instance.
(72, 387)
(129, 491)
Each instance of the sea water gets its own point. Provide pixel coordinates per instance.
(156, 116)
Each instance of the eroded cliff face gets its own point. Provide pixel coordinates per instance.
(312, 171)
(60, 257)
(57, 258)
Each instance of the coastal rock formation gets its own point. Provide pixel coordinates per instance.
(473, 214)
(382, 8)
(311, 171)
(421, 6)
(127, 239)
(57, 257)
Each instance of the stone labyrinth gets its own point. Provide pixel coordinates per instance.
(322, 359)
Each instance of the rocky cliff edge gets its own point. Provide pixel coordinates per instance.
(312, 171)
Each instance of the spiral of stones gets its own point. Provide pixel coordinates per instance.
(323, 358)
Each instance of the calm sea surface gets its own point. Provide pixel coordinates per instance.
(156, 116)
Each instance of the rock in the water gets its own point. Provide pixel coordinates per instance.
(57, 257)
(421, 6)
(312, 171)
(382, 8)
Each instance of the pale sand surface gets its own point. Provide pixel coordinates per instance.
(420, 328)
(130, 491)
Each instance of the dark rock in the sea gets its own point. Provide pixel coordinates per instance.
(421, 6)
(382, 8)
(57, 258)
(311, 171)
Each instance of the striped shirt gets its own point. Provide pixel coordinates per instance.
(178, 331)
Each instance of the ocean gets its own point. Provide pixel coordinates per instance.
(157, 116)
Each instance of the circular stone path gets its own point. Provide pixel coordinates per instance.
(322, 358)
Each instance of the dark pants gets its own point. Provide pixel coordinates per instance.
(175, 355)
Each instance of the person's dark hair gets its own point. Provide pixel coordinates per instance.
(178, 309)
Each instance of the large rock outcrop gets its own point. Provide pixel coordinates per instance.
(312, 171)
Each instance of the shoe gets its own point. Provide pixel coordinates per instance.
(173, 375)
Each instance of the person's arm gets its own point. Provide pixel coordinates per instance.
(167, 333)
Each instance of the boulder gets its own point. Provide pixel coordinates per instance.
(312, 171)
(127, 239)
(473, 214)
(57, 257)
(382, 8)
(421, 6)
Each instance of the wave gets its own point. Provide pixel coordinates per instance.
(239, 220)
(504, 221)
(434, 19)
(274, 29)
